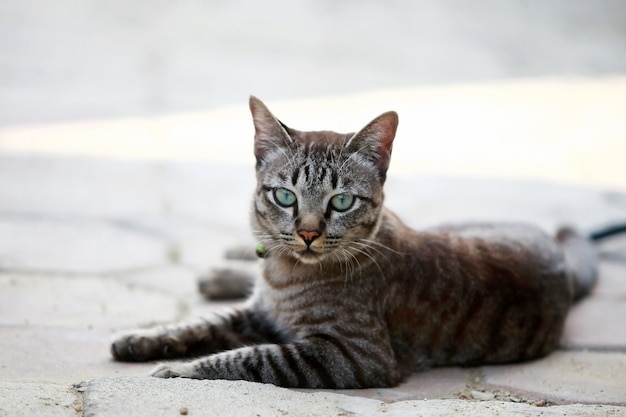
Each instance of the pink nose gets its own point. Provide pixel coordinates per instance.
(308, 235)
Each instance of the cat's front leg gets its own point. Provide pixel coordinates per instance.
(221, 331)
(313, 363)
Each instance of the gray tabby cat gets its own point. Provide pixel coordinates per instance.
(351, 297)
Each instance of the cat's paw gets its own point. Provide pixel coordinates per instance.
(229, 280)
(144, 345)
(173, 370)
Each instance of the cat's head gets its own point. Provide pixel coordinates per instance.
(319, 194)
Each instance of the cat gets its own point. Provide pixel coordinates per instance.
(350, 297)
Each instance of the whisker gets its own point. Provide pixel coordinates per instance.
(373, 242)
(371, 258)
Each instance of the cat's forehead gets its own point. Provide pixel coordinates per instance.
(319, 140)
(319, 168)
(319, 148)
(317, 161)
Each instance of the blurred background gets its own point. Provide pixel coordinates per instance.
(126, 162)
(521, 88)
(74, 60)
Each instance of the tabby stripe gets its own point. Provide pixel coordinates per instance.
(295, 175)
(334, 179)
(536, 339)
(494, 329)
(207, 368)
(357, 333)
(220, 340)
(256, 328)
(282, 379)
(368, 224)
(227, 365)
(323, 173)
(475, 306)
(307, 169)
(305, 320)
(292, 364)
(250, 364)
(359, 374)
(448, 317)
(315, 366)
(544, 335)
(453, 318)
(302, 290)
(302, 304)
(428, 279)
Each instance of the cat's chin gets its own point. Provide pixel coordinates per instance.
(308, 257)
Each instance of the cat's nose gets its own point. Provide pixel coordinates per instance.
(309, 236)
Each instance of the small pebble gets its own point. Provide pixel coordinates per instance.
(482, 396)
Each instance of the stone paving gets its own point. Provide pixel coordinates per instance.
(113, 197)
(91, 246)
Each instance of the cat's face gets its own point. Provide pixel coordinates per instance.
(319, 194)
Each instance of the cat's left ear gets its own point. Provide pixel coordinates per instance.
(375, 141)
(269, 134)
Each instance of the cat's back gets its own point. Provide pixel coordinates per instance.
(513, 255)
(516, 244)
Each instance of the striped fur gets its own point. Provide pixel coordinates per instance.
(350, 297)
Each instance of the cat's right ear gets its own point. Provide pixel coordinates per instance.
(269, 133)
(375, 141)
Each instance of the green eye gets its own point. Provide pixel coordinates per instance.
(284, 197)
(342, 202)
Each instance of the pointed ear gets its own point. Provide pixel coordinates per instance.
(375, 141)
(270, 133)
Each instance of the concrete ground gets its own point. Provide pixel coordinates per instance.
(126, 170)
(91, 245)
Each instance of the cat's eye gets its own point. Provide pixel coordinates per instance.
(284, 197)
(342, 202)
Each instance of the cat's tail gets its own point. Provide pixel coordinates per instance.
(607, 231)
(581, 257)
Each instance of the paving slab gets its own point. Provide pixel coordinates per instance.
(587, 326)
(83, 303)
(566, 377)
(146, 228)
(19, 399)
(75, 188)
(178, 281)
(44, 245)
(596, 324)
(612, 281)
(614, 251)
(424, 201)
(153, 214)
(431, 384)
(136, 190)
(59, 355)
(157, 397)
